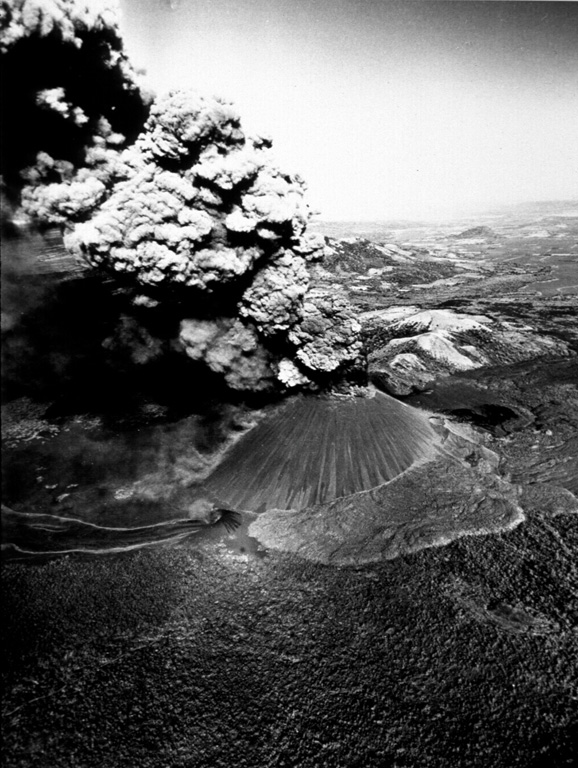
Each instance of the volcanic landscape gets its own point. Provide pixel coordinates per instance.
(276, 491)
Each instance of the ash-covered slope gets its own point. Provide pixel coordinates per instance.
(317, 449)
(452, 488)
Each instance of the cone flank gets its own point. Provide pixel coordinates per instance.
(313, 450)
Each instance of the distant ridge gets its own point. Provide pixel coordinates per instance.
(314, 449)
(383, 229)
(481, 231)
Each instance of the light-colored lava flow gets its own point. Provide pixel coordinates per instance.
(28, 533)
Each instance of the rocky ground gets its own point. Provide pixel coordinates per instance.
(214, 650)
(461, 655)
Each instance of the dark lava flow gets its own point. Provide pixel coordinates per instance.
(466, 402)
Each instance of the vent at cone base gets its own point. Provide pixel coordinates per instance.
(314, 449)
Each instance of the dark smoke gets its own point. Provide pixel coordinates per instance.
(67, 87)
(202, 232)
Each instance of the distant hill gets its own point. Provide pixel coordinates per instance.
(476, 232)
(355, 255)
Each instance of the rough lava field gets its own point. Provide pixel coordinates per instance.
(275, 492)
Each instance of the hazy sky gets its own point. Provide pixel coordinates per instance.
(399, 108)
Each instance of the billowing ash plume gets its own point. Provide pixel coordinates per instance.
(68, 89)
(194, 219)
(202, 212)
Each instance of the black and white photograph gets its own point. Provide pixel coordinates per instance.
(289, 383)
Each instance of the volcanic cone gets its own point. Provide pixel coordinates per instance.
(316, 449)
